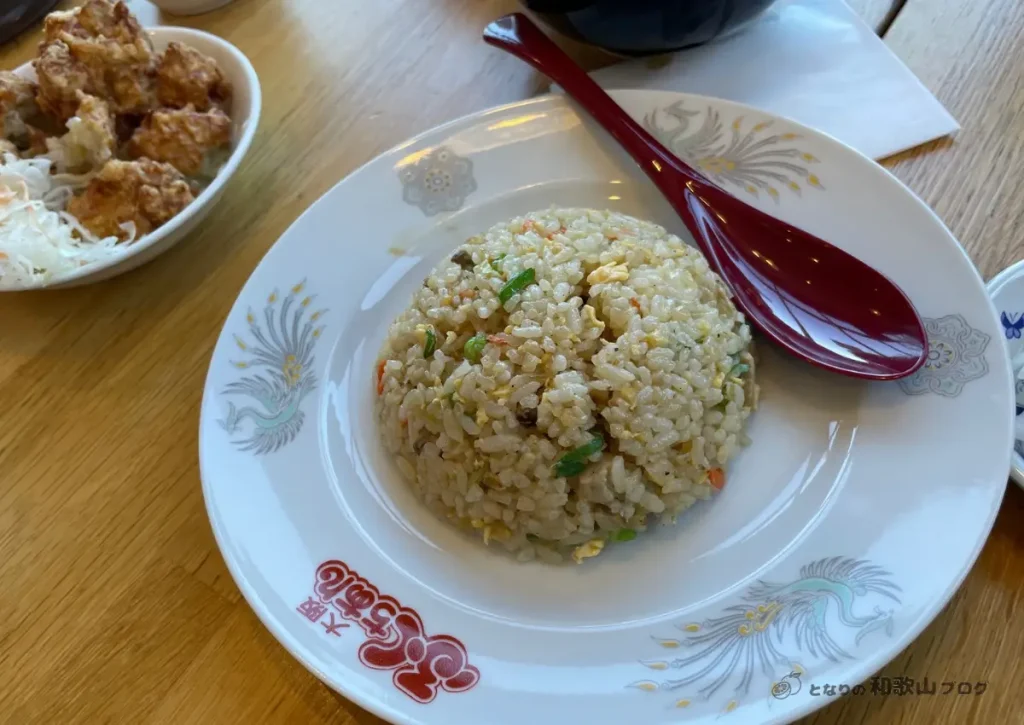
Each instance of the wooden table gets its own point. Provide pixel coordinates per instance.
(116, 606)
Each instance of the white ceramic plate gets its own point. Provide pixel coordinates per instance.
(245, 117)
(844, 529)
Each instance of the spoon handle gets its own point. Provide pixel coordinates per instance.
(518, 35)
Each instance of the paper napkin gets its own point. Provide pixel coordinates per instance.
(814, 61)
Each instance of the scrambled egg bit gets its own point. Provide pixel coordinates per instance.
(585, 551)
(608, 273)
(496, 531)
(590, 315)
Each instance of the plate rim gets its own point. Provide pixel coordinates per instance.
(858, 670)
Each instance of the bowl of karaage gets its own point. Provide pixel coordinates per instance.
(115, 142)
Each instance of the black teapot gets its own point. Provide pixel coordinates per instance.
(637, 27)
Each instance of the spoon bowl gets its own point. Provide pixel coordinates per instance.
(813, 299)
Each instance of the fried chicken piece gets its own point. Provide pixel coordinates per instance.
(123, 75)
(61, 77)
(182, 138)
(98, 49)
(98, 68)
(36, 143)
(17, 96)
(90, 140)
(94, 19)
(185, 76)
(17, 105)
(145, 193)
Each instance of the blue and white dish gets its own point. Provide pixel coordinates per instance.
(1007, 290)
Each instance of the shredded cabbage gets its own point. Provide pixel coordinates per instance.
(39, 241)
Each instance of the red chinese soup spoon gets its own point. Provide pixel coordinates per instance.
(813, 299)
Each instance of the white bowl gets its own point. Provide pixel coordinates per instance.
(245, 115)
(189, 7)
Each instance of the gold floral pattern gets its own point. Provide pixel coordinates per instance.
(748, 156)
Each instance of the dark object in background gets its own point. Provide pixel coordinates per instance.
(16, 16)
(638, 27)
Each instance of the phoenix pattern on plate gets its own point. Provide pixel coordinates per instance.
(773, 626)
(280, 352)
(733, 154)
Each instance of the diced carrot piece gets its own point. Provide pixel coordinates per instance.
(716, 477)
(380, 377)
(636, 303)
(560, 230)
(497, 339)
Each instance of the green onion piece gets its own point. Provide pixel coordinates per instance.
(532, 537)
(624, 535)
(517, 284)
(738, 370)
(431, 345)
(474, 347)
(588, 449)
(567, 468)
(496, 262)
(573, 462)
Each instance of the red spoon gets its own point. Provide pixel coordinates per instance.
(815, 300)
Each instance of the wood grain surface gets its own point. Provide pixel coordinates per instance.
(116, 606)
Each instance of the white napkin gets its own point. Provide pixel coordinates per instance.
(814, 61)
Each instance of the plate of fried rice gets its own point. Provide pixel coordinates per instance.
(485, 440)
